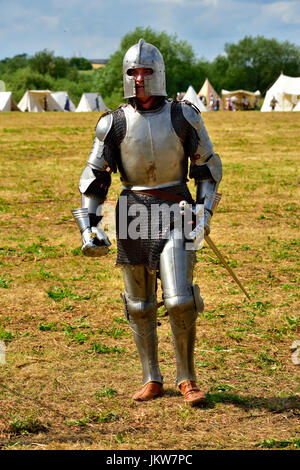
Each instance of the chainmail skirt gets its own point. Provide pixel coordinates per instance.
(145, 243)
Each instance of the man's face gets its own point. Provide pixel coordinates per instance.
(139, 74)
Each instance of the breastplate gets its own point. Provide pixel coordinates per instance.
(151, 152)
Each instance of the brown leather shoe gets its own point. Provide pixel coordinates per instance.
(150, 391)
(191, 392)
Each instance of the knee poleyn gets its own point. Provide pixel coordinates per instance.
(139, 308)
(178, 304)
(141, 315)
(182, 312)
(190, 300)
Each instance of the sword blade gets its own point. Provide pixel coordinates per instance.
(225, 264)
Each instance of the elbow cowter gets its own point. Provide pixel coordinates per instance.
(210, 169)
(95, 184)
(199, 173)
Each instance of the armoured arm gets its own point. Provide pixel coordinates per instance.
(94, 184)
(206, 167)
(207, 194)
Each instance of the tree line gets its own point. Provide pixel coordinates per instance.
(254, 63)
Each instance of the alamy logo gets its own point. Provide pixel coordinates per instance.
(2, 352)
(138, 221)
(156, 221)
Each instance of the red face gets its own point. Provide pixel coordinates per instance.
(139, 74)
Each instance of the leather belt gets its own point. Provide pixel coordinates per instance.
(158, 194)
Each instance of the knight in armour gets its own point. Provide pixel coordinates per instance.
(155, 144)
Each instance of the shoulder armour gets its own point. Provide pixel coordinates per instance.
(192, 105)
(194, 118)
(104, 125)
(191, 114)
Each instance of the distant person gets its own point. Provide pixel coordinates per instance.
(256, 104)
(245, 103)
(217, 106)
(228, 104)
(233, 103)
(203, 99)
(97, 103)
(273, 103)
(211, 102)
(67, 105)
(45, 103)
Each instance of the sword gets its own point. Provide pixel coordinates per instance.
(184, 207)
(225, 264)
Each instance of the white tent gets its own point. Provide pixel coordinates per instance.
(286, 91)
(297, 107)
(37, 100)
(192, 96)
(63, 99)
(91, 102)
(238, 96)
(7, 102)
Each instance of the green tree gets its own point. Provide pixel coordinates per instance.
(182, 68)
(217, 71)
(254, 63)
(59, 67)
(41, 61)
(80, 63)
(44, 62)
(26, 79)
(12, 64)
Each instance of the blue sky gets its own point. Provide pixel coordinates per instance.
(93, 28)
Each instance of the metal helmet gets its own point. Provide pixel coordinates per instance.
(144, 55)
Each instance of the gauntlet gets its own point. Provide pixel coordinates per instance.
(95, 242)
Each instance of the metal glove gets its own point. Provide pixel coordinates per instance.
(95, 242)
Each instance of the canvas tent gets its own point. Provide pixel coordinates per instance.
(63, 100)
(297, 107)
(192, 96)
(207, 91)
(7, 102)
(34, 101)
(91, 102)
(238, 96)
(286, 91)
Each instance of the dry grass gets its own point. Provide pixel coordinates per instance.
(71, 367)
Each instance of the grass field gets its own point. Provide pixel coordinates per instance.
(71, 366)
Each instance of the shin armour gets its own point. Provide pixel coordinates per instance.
(141, 311)
(183, 302)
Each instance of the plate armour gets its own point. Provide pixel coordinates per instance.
(151, 149)
(152, 154)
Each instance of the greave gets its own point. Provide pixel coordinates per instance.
(143, 323)
(184, 337)
(145, 337)
(183, 302)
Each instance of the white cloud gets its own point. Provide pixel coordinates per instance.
(95, 27)
(282, 12)
(171, 2)
(50, 21)
(188, 3)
